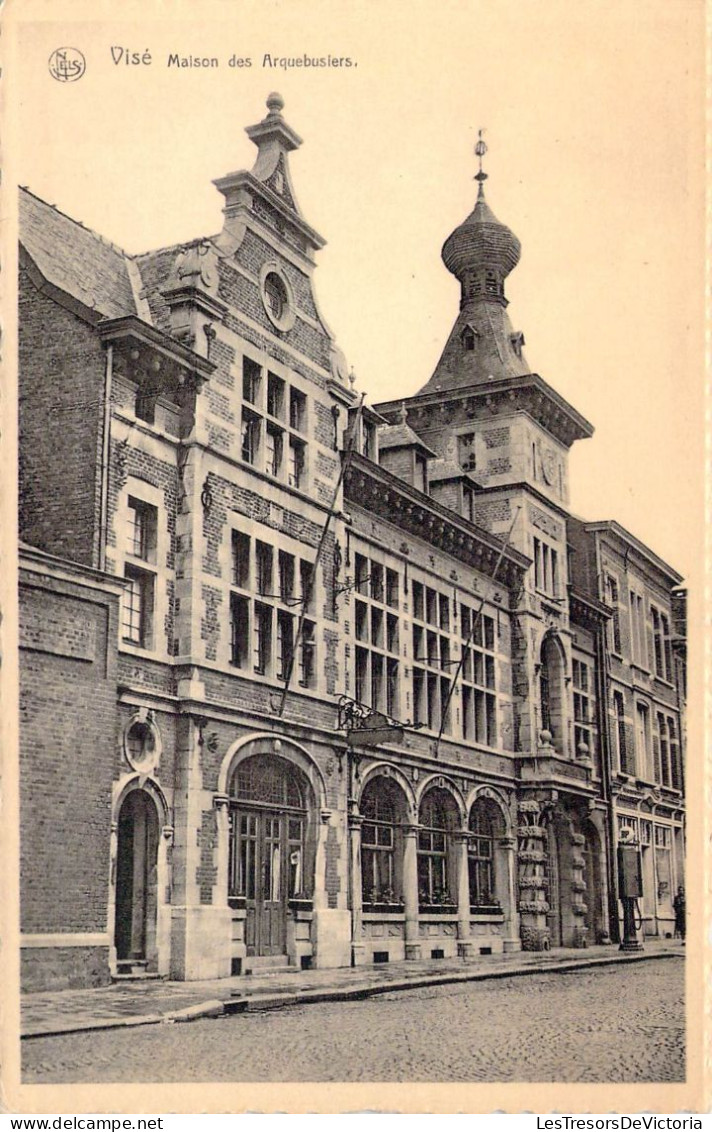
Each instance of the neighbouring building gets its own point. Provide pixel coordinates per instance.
(370, 692)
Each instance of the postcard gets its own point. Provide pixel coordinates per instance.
(352, 639)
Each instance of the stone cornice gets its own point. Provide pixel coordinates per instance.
(378, 491)
(627, 541)
(133, 328)
(530, 393)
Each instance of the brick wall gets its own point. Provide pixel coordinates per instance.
(61, 375)
(68, 738)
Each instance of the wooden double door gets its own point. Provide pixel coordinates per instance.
(269, 863)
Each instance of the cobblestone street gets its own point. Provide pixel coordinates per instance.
(620, 1024)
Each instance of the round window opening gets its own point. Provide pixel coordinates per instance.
(277, 299)
(140, 745)
(276, 295)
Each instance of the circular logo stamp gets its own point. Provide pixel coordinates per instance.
(67, 64)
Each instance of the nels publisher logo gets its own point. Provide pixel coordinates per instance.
(67, 64)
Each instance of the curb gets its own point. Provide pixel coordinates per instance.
(261, 1002)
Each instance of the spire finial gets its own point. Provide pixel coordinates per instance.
(275, 103)
(480, 150)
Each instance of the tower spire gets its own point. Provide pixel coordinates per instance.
(481, 176)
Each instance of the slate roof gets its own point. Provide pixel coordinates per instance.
(401, 436)
(75, 259)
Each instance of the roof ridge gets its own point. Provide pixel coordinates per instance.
(73, 220)
(194, 241)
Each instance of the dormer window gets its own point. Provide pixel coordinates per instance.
(469, 338)
(517, 341)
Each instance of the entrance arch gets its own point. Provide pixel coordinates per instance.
(273, 834)
(136, 881)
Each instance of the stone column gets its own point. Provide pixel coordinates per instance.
(465, 946)
(410, 891)
(511, 940)
(111, 911)
(531, 853)
(221, 804)
(163, 912)
(358, 947)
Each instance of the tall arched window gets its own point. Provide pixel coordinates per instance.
(382, 807)
(436, 872)
(480, 855)
(551, 691)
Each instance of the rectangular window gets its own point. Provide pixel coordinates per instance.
(251, 378)
(675, 760)
(642, 736)
(418, 593)
(377, 688)
(262, 639)
(137, 607)
(546, 568)
(286, 576)
(664, 748)
(362, 688)
(146, 405)
(584, 716)
(240, 560)
(297, 410)
(250, 437)
(285, 643)
(307, 648)
(479, 676)
(368, 444)
(273, 450)
(377, 628)
(419, 713)
(614, 627)
(392, 589)
(239, 631)
(361, 626)
(263, 563)
(306, 585)
(361, 574)
(392, 688)
(142, 530)
(392, 633)
(296, 463)
(376, 582)
(637, 629)
(275, 396)
(625, 756)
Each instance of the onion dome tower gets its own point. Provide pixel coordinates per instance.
(482, 346)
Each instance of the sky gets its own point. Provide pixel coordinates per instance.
(592, 115)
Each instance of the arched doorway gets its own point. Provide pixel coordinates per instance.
(271, 847)
(136, 882)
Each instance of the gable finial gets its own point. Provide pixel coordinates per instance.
(481, 176)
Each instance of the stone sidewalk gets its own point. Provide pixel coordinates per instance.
(164, 1001)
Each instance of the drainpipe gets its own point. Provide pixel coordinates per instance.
(105, 443)
(603, 689)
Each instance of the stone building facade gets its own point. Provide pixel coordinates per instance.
(363, 676)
